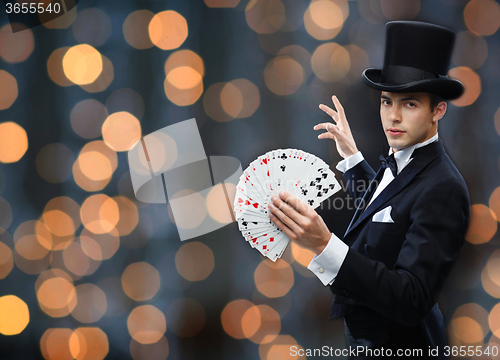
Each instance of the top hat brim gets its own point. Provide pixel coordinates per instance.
(444, 87)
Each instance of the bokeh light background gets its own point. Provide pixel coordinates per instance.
(88, 272)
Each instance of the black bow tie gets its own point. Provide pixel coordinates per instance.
(389, 162)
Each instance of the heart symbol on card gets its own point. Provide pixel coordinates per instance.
(239, 200)
(256, 205)
(247, 202)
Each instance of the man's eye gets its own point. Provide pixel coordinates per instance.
(411, 105)
(386, 102)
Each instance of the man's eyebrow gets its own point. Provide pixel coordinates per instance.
(408, 98)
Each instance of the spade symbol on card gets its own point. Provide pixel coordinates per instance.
(319, 186)
(319, 194)
(324, 175)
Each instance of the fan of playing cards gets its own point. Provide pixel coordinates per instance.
(303, 175)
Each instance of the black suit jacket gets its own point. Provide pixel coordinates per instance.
(398, 269)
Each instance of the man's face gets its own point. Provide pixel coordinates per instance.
(407, 118)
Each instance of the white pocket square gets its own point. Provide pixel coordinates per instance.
(383, 215)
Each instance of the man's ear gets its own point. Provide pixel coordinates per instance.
(439, 111)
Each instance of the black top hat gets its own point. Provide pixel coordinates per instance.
(417, 57)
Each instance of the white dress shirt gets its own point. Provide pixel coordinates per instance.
(327, 264)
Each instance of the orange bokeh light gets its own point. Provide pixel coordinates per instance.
(156, 351)
(283, 75)
(232, 315)
(261, 324)
(494, 202)
(92, 169)
(82, 64)
(99, 214)
(55, 344)
(55, 67)
(13, 142)
(301, 255)
(91, 303)
(87, 118)
(88, 343)
(168, 30)
(140, 281)
(136, 29)
(331, 62)
(56, 296)
(146, 324)
(8, 90)
(483, 224)
(16, 47)
(6, 260)
(274, 279)
(121, 130)
(194, 261)
(324, 19)
(14, 315)
(104, 79)
(240, 98)
(472, 83)
(482, 17)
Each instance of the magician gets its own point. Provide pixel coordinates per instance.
(388, 269)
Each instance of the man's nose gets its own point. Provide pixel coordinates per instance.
(395, 114)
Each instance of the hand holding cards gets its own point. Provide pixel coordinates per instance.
(303, 175)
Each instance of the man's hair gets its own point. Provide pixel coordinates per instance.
(434, 101)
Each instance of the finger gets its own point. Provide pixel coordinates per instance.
(339, 107)
(329, 111)
(279, 212)
(288, 232)
(301, 207)
(321, 126)
(327, 135)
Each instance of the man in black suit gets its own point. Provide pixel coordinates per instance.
(405, 236)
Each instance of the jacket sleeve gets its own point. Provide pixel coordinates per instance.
(408, 291)
(358, 178)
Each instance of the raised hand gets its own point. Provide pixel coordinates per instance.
(340, 131)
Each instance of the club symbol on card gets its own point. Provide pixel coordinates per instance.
(283, 156)
(310, 202)
(282, 167)
(304, 192)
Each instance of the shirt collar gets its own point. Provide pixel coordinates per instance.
(403, 156)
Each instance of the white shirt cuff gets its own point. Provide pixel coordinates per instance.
(350, 162)
(327, 264)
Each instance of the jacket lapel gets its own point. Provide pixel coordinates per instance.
(366, 197)
(422, 157)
